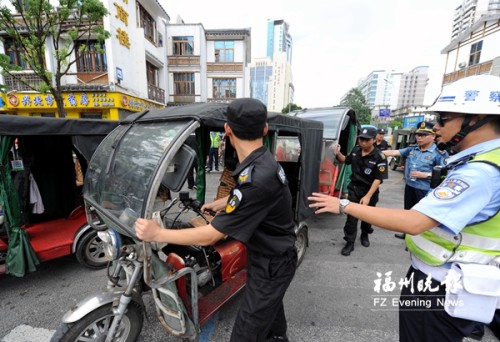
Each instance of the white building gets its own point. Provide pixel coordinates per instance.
(412, 87)
(475, 51)
(470, 11)
(128, 75)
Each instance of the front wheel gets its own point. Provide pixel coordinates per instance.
(301, 244)
(95, 326)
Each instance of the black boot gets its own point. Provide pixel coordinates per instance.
(400, 235)
(348, 248)
(277, 338)
(365, 242)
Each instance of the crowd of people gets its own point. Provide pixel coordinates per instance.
(451, 230)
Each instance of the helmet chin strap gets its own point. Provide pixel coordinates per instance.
(464, 130)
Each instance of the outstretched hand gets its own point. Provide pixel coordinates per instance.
(324, 203)
(147, 230)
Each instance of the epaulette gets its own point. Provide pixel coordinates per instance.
(245, 176)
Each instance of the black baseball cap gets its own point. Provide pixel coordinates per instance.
(246, 115)
(368, 133)
(381, 131)
(425, 127)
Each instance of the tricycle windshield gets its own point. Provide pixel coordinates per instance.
(330, 118)
(123, 166)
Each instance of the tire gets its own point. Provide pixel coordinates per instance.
(84, 329)
(301, 244)
(89, 251)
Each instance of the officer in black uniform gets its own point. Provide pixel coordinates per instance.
(258, 212)
(369, 169)
(380, 142)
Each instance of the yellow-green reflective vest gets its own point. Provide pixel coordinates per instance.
(214, 140)
(477, 243)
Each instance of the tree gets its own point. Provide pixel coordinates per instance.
(37, 23)
(396, 123)
(290, 108)
(356, 100)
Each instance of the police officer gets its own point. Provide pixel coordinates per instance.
(213, 152)
(258, 212)
(457, 222)
(369, 169)
(420, 160)
(380, 142)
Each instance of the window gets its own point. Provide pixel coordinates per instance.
(147, 22)
(224, 51)
(475, 53)
(184, 83)
(151, 74)
(224, 88)
(91, 57)
(15, 53)
(183, 46)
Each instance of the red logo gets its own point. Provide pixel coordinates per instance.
(13, 100)
(124, 101)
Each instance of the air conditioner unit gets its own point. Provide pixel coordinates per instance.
(462, 65)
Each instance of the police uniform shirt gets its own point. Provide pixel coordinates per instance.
(382, 146)
(259, 210)
(468, 195)
(424, 161)
(368, 168)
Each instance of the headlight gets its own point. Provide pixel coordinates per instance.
(111, 243)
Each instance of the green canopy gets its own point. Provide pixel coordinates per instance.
(20, 256)
(344, 177)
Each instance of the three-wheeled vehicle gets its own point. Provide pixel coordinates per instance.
(41, 193)
(340, 127)
(401, 138)
(146, 156)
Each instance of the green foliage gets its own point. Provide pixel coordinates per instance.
(356, 100)
(396, 123)
(34, 23)
(290, 108)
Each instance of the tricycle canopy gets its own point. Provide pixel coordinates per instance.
(148, 149)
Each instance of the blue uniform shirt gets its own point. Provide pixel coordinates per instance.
(468, 195)
(424, 161)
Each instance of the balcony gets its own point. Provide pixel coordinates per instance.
(28, 76)
(184, 60)
(476, 69)
(225, 67)
(156, 94)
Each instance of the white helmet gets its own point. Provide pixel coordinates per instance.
(470, 95)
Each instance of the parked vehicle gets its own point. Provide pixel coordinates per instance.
(41, 193)
(147, 156)
(401, 138)
(340, 127)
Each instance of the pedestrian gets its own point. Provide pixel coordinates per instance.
(455, 226)
(213, 152)
(420, 160)
(369, 169)
(380, 142)
(257, 212)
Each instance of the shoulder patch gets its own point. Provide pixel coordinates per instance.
(282, 175)
(234, 201)
(245, 176)
(382, 155)
(450, 189)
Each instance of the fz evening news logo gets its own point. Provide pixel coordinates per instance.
(388, 297)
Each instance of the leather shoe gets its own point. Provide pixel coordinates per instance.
(348, 248)
(400, 235)
(365, 242)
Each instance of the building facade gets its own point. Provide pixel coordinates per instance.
(469, 12)
(127, 74)
(412, 87)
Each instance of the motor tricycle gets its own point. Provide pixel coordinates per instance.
(43, 161)
(140, 170)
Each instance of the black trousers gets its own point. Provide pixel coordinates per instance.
(413, 196)
(422, 317)
(213, 158)
(261, 313)
(354, 194)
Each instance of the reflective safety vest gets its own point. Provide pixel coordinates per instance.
(214, 140)
(477, 243)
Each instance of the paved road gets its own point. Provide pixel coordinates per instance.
(331, 298)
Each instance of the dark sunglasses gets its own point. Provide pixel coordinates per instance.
(442, 120)
(421, 134)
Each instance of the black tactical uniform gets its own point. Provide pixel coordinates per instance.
(364, 171)
(259, 214)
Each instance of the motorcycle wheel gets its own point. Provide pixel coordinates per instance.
(301, 244)
(393, 164)
(95, 326)
(89, 251)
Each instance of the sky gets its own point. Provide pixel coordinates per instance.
(338, 42)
